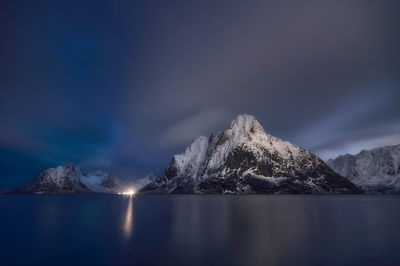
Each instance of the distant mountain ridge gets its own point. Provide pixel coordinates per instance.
(375, 171)
(70, 179)
(243, 159)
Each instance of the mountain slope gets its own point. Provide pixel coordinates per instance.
(245, 159)
(375, 171)
(142, 182)
(70, 179)
(61, 179)
(101, 182)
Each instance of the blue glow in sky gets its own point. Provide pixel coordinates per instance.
(123, 85)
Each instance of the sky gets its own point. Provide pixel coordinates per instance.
(123, 85)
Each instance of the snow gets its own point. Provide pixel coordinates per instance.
(93, 181)
(246, 130)
(275, 180)
(373, 170)
(193, 158)
(204, 154)
(190, 160)
(254, 153)
(65, 173)
(57, 175)
(59, 170)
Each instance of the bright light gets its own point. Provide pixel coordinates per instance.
(130, 192)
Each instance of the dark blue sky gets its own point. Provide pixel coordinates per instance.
(123, 85)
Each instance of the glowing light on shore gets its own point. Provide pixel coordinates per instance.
(130, 192)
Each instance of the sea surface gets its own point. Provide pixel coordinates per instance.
(199, 230)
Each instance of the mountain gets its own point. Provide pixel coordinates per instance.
(142, 182)
(376, 171)
(243, 159)
(101, 182)
(70, 179)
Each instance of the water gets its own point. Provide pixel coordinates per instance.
(199, 230)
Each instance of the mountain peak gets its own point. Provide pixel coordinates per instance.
(245, 123)
(245, 159)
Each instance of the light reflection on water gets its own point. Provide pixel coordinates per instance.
(128, 221)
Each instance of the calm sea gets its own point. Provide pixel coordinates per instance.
(199, 230)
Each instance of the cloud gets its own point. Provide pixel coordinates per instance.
(303, 69)
(354, 146)
(187, 129)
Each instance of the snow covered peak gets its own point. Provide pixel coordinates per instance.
(217, 146)
(61, 179)
(58, 173)
(211, 153)
(189, 161)
(246, 132)
(245, 159)
(245, 123)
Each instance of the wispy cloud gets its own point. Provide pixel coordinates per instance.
(188, 128)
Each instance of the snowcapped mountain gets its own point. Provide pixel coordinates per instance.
(245, 159)
(70, 179)
(61, 179)
(101, 182)
(375, 171)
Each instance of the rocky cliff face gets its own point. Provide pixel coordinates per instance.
(376, 171)
(70, 179)
(245, 159)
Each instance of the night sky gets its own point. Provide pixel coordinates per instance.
(123, 85)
